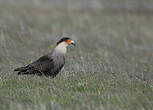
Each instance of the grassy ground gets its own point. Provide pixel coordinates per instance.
(110, 69)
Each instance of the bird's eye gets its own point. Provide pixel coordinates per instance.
(68, 41)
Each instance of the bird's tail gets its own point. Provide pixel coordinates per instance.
(27, 70)
(22, 69)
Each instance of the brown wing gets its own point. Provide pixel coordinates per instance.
(44, 64)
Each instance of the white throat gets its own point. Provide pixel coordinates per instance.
(61, 48)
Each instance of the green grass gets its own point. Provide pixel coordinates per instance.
(110, 69)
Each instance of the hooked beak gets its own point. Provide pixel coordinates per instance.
(73, 43)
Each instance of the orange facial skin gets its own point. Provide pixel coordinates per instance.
(68, 41)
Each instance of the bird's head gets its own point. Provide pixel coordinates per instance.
(66, 40)
(63, 43)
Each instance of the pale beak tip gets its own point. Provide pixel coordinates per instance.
(73, 43)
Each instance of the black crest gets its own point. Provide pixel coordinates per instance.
(63, 39)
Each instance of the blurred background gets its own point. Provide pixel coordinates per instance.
(135, 5)
(114, 53)
(115, 31)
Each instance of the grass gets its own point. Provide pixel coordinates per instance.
(110, 69)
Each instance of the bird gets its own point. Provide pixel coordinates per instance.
(51, 63)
